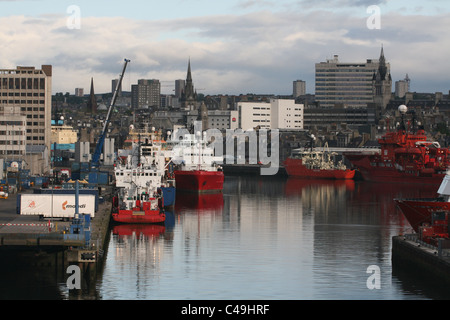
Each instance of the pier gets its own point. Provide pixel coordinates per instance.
(409, 252)
(54, 242)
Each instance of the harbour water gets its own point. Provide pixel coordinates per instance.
(263, 238)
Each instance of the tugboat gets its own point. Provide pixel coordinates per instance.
(419, 212)
(405, 157)
(197, 170)
(139, 197)
(316, 165)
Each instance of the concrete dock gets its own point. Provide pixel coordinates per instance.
(50, 243)
(409, 252)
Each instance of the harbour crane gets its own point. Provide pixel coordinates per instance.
(95, 163)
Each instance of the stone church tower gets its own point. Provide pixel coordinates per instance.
(382, 83)
(189, 95)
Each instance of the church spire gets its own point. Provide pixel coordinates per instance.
(92, 102)
(189, 76)
(189, 95)
(382, 68)
(382, 58)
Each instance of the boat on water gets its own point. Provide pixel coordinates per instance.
(314, 164)
(419, 211)
(139, 198)
(406, 156)
(197, 169)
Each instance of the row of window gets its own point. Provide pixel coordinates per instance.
(23, 94)
(35, 116)
(15, 152)
(22, 83)
(23, 101)
(9, 133)
(11, 123)
(35, 124)
(11, 143)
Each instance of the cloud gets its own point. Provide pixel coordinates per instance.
(261, 52)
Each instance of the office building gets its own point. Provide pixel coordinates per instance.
(355, 84)
(299, 88)
(146, 94)
(79, 92)
(276, 114)
(25, 106)
(319, 118)
(179, 87)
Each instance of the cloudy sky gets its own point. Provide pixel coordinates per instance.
(235, 46)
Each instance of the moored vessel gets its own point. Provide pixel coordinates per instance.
(137, 207)
(198, 170)
(405, 156)
(419, 211)
(139, 178)
(316, 165)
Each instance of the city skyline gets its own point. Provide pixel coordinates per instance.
(235, 47)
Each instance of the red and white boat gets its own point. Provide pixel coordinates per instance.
(139, 197)
(197, 167)
(316, 165)
(405, 156)
(419, 212)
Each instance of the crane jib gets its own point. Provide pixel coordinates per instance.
(99, 146)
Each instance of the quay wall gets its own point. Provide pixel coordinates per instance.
(407, 252)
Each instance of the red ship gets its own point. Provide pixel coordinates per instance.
(419, 212)
(139, 208)
(197, 169)
(316, 165)
(405, 157)
(199, 181)
(139, 198)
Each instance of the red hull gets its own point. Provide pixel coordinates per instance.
(391, 174)
(134, 216)
(419, 211)
(199, 181)
(149, 230)
(295, 168)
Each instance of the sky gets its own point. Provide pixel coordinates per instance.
(235, 46)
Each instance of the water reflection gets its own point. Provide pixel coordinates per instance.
(264, 238)
(200, 203)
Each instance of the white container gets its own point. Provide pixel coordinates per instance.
(56, 205)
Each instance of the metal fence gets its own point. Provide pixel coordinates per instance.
(443, 246)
